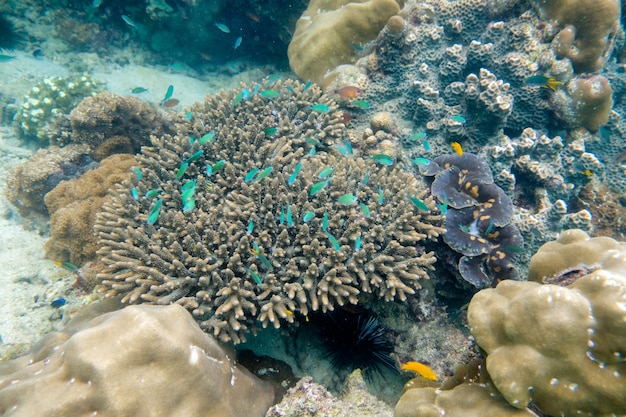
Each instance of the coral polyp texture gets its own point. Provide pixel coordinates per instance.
(250, 215)
(478, 215)
(561, 347)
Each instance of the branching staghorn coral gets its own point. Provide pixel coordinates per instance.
(249, 215)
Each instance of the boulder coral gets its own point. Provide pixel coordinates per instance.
(327, 32)
(139, 361)
(561, 347)
(257, 211)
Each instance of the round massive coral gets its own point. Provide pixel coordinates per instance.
(256, 211)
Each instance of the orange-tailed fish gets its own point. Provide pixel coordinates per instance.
(457, 148)
(543, 81)
(350, 92)
(421, 369)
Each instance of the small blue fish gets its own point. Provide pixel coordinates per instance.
(154, 213)
(250, 227)
(139, 90)
(209, 170)
(426, 145)
(312, 141)
(458, 118)
(189, 116)
(255, 90)
(152, 193)
(250, 175)
(418, 136)
(237, 42)
(381, 196)
(192, 139)
(382, 159)
(272, 78)
(366, 178)
(129, 21)
(318, 186)
(347, 199)
(296, 171)
(357, 243)
(333, 241)
(195, 156)
(307, 85)
(188, 192)
(222, 27)
(308, 216)
(59, 302)
(421, 161)
(325, 173)
(290, 89)
(181, 170)
(312, 151)
(443, 207)
(189, 205)
(255, 277)
(362, 104)
(206, 138)
(342, 149)
(418, 203)
(365, 210)
(243, 95)
(134, 193)
(270, 131)
(325, 221)
(168, 94)
(257, 252)
(137, 171)
(320, 108)
(489, 228)
(267, 171)
(218, 165)
(270, 93)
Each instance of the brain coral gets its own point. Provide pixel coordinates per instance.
(561, 347)
(270, 226)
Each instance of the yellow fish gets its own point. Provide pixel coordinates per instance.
(421, 369)
(588, 172)
(457, 148)
(543, 81)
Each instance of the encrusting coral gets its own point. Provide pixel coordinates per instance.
(256, 211)
(73, 206)
(139, 361)
(478, 215)
(561, 347)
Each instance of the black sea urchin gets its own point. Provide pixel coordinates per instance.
(356, 341)
(9, 36)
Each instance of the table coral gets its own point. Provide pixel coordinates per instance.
(561, 347)
(139, 361)
(275, 223)
(72, 206)
(327, 31)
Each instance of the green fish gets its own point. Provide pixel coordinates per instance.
(68, 266)
(318, 186)
(426, 145)
(464, 228)
(458, 118)
(250, 175)
(270, 93)
(418, 203)
(312, 141)
(154, 213)
(195, 156)
(362, 104)
(222, 27)
(312, 151)
(189, 205)
(325, 221)
(250, 227)
(381, 196)
(168, 94)
(418, 136)
(513, 248)
(137, 171)
(272, 78)
(421, 161)
(181, 170)
(139, 90)
(326, 172)
(296, 171)
(365, 210)
(152, 193)
(357, 243)
(189, 116)
(218, 165)
(489, 228)
(347, 199)
(270, 131)
(443, 207)
(243, 95)
(333, 241)
(366, 178)
(307, 85)
(188, 190)
(320, 108)
(206, 138)
(308, 216)
(290, 89)
(382, 159)
(267, 171)
(134, 193)
(180, 67)
(192, 139)
(255, 277)
(6, 58)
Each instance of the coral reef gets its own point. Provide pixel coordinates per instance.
(28, 183)
(478, 215)
(111, 124)
(587, 27)
(246, 216)
(139, 361)
(73, 206)
(327, 31)
(49, 99)
(313, 400)
(585, 102)
(573, 334)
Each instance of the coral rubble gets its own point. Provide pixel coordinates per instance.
(138, 361)
(247, 217)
